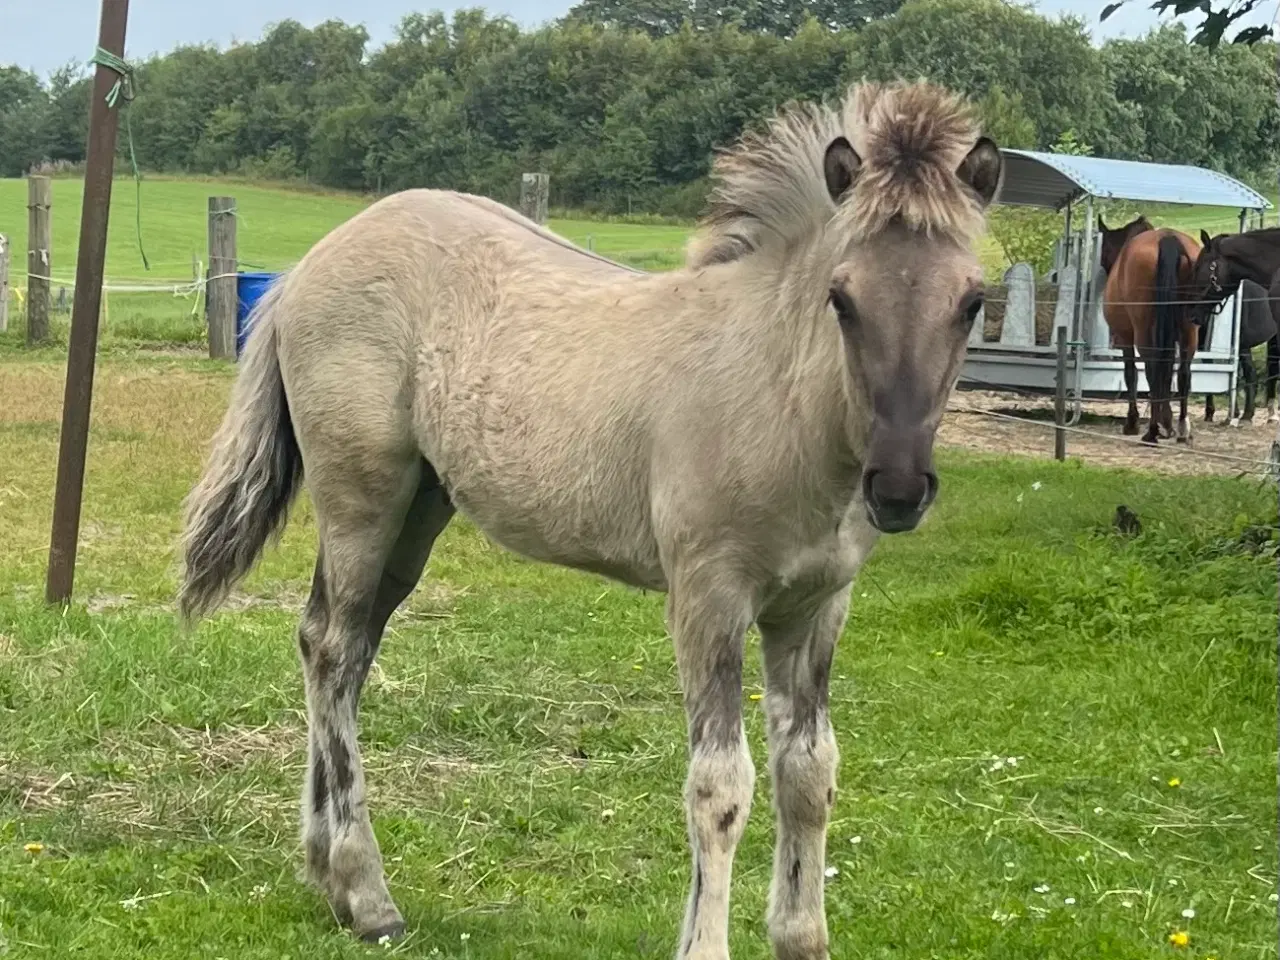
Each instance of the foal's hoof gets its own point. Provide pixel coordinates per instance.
(1235, 422)
(385, 933)
(1130, 429)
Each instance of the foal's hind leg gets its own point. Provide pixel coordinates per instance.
(709, 624)
(802, 762)
(376, 537)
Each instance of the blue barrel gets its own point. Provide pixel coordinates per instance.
(249, 290)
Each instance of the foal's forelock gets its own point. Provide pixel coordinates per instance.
(771, 196)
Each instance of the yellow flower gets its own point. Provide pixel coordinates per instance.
(753, 697)
(1180, 938)
(637, 666)
(1175, 782)
(33, 848)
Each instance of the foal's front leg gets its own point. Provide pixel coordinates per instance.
(709, 627)
(802, 763)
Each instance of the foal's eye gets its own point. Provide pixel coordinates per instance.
(972, 310)
(843, 306)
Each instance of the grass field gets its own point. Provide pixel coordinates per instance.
(276, 227)
(1057, 742)
(515, 704)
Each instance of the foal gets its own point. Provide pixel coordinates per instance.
(737, 433)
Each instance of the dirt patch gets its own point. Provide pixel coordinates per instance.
(1008, 423)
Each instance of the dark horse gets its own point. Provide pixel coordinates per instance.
(1148, 277)
(1226, 261)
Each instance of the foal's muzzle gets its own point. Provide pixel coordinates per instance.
(898, 482)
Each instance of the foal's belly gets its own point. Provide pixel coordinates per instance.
(619, 548)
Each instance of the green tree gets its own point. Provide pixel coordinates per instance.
(977, 46)
(1005, 120)
(1214, 108)
(23, 106)
(780, 18)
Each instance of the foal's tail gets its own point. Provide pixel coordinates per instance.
(1169, 311)
(253, 474)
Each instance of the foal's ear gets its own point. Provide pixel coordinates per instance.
(981, 169)
(840, 166)
(1102, 226)
(1205, 239)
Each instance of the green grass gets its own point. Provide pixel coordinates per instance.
(514, 704)
(276, 227)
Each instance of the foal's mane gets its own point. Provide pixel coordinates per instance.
(771, 192)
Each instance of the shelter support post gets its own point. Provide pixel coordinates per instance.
(1060, 398)
(1081, 316)
(1233, 376)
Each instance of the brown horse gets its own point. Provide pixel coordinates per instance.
(1145, 305)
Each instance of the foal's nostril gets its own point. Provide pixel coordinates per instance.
(930, 489)
(869, 488)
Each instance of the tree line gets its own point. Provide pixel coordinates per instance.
(624, 101)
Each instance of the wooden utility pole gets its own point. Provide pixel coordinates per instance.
(535, 188)
(4, 283)
(39, 258)
(220, 288)
(1060, 399)
(104, 118)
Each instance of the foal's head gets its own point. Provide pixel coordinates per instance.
(866, 217)
(910, 186)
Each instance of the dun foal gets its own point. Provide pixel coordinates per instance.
(737, 433)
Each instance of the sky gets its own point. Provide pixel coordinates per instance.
(45, 35)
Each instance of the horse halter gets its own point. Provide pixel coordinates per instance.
(1214, 283)
(1216, 290)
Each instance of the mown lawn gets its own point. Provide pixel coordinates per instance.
(1056, 741)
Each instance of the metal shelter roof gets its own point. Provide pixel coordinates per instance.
(1053, 179)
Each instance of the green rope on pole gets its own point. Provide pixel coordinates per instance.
(122, 90)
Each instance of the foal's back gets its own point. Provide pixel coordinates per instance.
(531, 375)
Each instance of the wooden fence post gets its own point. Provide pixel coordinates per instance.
(1060, 399)
(39, 258)
(534, 191)
(4, 283)
(220, 286)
